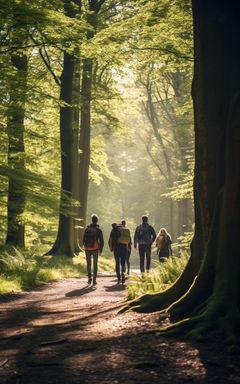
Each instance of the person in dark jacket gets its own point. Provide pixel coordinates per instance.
(113, 237)
(143, 238)
(163, 244)
(93, 244)
(119, 247)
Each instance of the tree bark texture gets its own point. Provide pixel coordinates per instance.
(85, 125)
(64, 243)
(16, 147)
(84, 142)
(76, 155)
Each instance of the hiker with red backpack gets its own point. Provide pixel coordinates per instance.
(93, 244)
(143, 238)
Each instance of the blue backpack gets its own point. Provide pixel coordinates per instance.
(143, 235)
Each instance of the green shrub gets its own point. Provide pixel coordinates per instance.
(160, 278)
(7, 285)
(23, 270)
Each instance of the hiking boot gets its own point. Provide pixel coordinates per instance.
(123, 279)
(89, 280)
(94, 282)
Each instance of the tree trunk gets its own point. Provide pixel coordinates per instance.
(76, 155)
(16, 149)
(85, 126)
(84, 143)
(64, 243)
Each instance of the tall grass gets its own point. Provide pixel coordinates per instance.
(161, 277)
(24, 270)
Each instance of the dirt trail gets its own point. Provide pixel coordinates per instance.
(68, 332)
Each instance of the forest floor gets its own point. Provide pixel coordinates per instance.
(67, 332)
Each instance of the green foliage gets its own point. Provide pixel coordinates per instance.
(133, 40)
(185, 240)
(99, 168)
(7, 284)
(159, 279)
(24, 270)
(183, 187)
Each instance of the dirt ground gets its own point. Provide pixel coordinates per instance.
(68, 332)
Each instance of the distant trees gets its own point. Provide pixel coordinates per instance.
(170, 142)
(164, 74)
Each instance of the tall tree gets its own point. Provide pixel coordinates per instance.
(64, 243)
(15, 130)
(94, 7)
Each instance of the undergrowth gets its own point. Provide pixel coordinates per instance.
(23, 270)
(160, 278)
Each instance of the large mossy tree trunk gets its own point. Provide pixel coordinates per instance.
(212, 302)
(15, 130)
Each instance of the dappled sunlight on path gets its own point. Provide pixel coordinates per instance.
(69, 332)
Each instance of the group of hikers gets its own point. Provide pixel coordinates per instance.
(120, 243)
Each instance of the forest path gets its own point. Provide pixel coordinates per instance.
(67, 332)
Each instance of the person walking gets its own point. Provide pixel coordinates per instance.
(93, 244)
(144, 236)
(163, 244)
(113, 237)
(118, 242)
(129, 249)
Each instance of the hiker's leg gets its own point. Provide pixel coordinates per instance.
(95, 264)
(141, 250)
(88, 257)
(123, 254)
(128, 263)
(148, 257)
(117, 264)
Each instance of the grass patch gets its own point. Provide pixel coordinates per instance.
(161, 277)
(7, 285)
(24, 270)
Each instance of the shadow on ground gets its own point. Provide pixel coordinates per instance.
(78, 338)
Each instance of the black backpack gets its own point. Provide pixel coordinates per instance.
(90, 236)
(143, 235)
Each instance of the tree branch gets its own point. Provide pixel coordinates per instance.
(16, 48)
(164, 50)
(48, 65)
(152, 158)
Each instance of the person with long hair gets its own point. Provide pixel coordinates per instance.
(163, 244)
